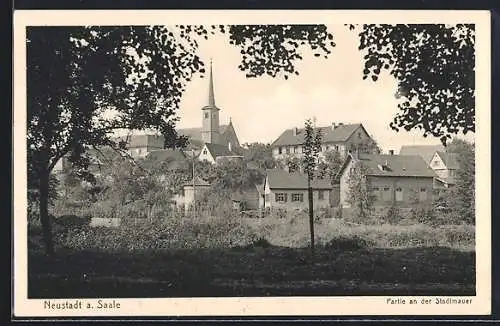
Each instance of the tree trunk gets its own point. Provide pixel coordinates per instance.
(44, 213)
(311, 215)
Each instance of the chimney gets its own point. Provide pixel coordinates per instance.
(391, 152)
(295, 131)
(334, 125)
(229, 146)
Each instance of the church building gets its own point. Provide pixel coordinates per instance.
(213, 141)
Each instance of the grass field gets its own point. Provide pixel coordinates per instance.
(350, 260)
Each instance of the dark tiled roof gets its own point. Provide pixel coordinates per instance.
(195, 133)
(220, 150)
(398, 165)
(280, 179)
(173, 157)
(449, 159)
(329, 135)
(425, 151)
(134, 141)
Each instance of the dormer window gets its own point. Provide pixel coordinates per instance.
(206, 115)
(384, 166)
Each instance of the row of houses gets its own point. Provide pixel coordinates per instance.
(404, 180)
(413, 173)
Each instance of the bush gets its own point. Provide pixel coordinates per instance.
(172, 233)
(393, 215)
(73, 221)
(344, 243)
(260, 242)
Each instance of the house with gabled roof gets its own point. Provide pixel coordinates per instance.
(172, 159)
(284, 190)
(139, 146)
(215, 153)
(425, 151)
(445, 165)
(403, 180)
(339, 137)
(191, 190)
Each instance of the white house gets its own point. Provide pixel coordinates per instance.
(214, 153)
(337, 137)
(190, 192)
(445, 166)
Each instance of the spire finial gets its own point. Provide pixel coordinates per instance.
(211, 97)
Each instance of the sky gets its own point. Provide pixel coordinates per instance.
(330, 90)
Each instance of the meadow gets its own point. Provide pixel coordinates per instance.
(235, 256)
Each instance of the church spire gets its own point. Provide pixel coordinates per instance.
(211, 97)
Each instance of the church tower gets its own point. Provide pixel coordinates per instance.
(210, 115)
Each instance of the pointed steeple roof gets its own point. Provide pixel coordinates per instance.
(211, 96)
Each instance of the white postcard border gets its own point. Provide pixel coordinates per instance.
(279, 306)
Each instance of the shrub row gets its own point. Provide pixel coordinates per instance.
(166, 234)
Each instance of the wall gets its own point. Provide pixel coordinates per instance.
(189, 194)
(107, 222)
(270, 200)
(138, 152)
(298, 152)
(250, 199)
(439, 167)
(335, 196)
(210, 125)
(410, 187)
(206, 156)
(357, 137)
(344, 185)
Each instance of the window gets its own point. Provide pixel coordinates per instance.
(280, 197)
(296, 149)
(288, 150)
(280, 150)
(375, 189)
(204, 152)
(423, 194)
(321, 195)
(336, 147)
(206, 115)
(399, 194)
(298, 197)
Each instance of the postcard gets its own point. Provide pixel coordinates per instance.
(251, 163)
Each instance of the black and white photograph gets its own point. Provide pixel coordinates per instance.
(255, 163)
